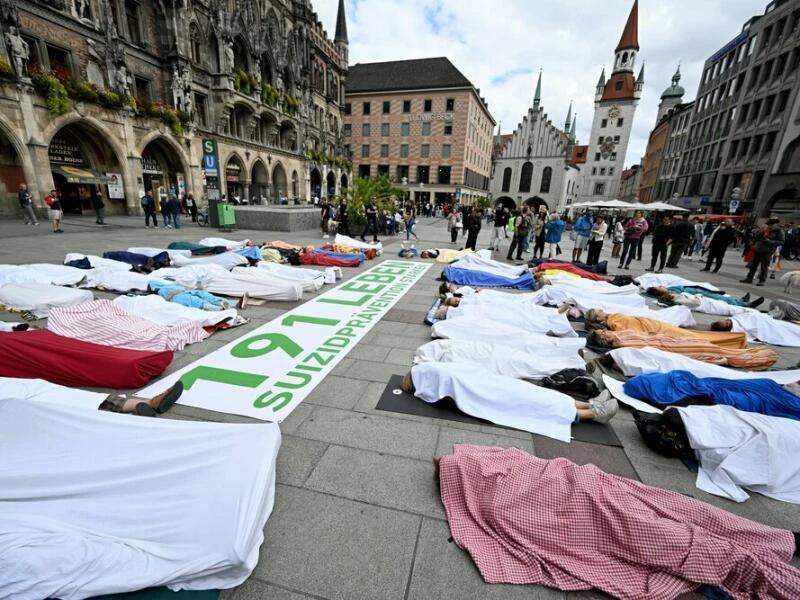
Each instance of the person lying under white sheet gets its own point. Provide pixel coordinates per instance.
(311, 279)
(533, 319)
(6, 326)
(649, 280)
(160, 310)
(492, 332)
(499, 358)
(762, 328)
(228, 244)
(41, 273)
(504, 400)
(476, 262)
(257, 283)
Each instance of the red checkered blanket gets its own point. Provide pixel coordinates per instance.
(527, 520)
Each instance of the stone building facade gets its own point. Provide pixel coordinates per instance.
(119, 95)
(422, 123)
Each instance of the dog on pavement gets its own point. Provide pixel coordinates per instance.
(790, 279)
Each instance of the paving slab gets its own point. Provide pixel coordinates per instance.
(297, 459)
(337, 391)
(610, 459)
(369, 352)
(371, 371)
(399, 340)
(258, 590)
(337, 548)
(401, 357)
(448, 436)
(380, 479)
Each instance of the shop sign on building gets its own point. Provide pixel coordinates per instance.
(64, 153)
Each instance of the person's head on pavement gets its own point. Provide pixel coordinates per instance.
(722, 325)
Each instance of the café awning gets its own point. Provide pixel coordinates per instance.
(80, 175)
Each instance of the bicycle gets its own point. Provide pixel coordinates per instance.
(202, 217)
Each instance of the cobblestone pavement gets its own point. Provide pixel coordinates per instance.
(357, 513)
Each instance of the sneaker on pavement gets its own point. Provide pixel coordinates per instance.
(604, 407)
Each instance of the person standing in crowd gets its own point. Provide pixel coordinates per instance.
(499, 230)
(25, 203)
(99, 206)
(53, 201)
(149, 208)
(453, 225)
(191, 206)
(166, 212)
(662, 234)
(344, 227)
(635, 228)
(516, 239)
(554, 228)
(682, 234)
(596, 238)
(770, 239)
(617, 237)
(175, 211)
(323, 217)
(473, 227)
(698, 237)
(538, 232)
(411, 220)
(717, 243)
(371, 212)
(640, 245)
(582, 231)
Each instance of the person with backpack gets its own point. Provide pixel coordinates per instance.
(582, 231)
(149, 208)
(770, 239)
(522, 227)
(473, 227)
(554, 229)
(25, 203)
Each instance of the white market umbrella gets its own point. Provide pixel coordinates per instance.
(663, 206)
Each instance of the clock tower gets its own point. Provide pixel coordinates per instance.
(615, 104)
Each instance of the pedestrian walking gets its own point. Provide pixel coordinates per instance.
(191, 205)
(635, 228)
(26, 204)
(554, 228)
(539, 232)
(166, 211)
(324, 217)
(454, 224)
(175, 211)
(522, 225)
(501, 217)
(343, 215)
(53, 202)
(766, 243)
(662, 235)
(640, 245)
(371, 212)
(717, 244)
(617, 237)
(411, 219)
(682, 236)
(472, 224)
(581, 231)
(596, 238)
(149, 207)
(99, 206)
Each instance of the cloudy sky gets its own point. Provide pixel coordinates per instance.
(500, 45)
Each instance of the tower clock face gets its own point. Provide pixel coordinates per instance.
(607, 147)
(613, 112)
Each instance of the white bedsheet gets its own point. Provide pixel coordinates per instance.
(500, 359)
(740, 451)
(763, 328)
(585, 298)
(226, 260)
(476, 262)
(649, 280)
(148, 251)
(258, 283)
(502, 400)
(115, 280)
(491, 332)
(39, 298)
(354, 243)
(133, 503)
(311, 279)
(158, 310)
(98, 262)
(39, 390)
(229, 244)
(635, 361)
(533, 319)
(41, 273)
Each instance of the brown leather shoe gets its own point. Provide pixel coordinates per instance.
(164, 401)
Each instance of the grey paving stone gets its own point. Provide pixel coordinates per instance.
(296, 417)
(370, 432)
(442, 571)
(343, 366)
(297, 458)
(371, 371)
(450, 435)
(369, 352)
(376, 478)
(420, 331)
(400, 356)
(610, 459)
(389, 327)
(396, 341)
(337, 548)
(258, 590)
(337, 391)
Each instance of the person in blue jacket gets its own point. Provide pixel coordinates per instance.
(554, 228)
(582, 229)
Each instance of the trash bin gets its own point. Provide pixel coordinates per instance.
(213, 213)
(227, 216)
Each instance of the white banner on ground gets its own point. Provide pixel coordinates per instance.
(268, 372)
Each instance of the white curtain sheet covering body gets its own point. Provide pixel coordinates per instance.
(481, 330)
(635, 361)
(226, 260)
(116, 280)
(357, 244)
(740, 451)
(710, 306)
(151, 252)
(163, 312)
(212, 278)
(585, 298)
(262, 284)
(476, 262)
(763, 328)
(192, 276)
(98, 262)
(502, 400)
(500, 359)
(39, 298)
(596, 287)
(108, 324)
(41, 273)
(6, 326)
(39, 390)
(649, 280)
(229, 244)
(135, 503)
(311, 279)
(531, 319)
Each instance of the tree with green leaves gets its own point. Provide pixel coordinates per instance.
(363, 189)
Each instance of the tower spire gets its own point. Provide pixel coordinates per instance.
(341, 25)
(572, 130)
(537, 97)
(676, 79)
(569, 118)
(630, 35)
(602, 81)
(499, 139)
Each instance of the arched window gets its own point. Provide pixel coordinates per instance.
(214, 45)
(525, 177)
(547, 176)
(194, 41)
(507, 179)
(624, 58)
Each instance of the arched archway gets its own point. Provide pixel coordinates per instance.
(259, 182)
(13, 171)
(331, 180)
(790, 163)
(316, 183)
(234, 176)
(343, 182)
(536, 202)
(280, 184)
(507, 202)
(295, 185)
(81, 156)
(525, 178)
(163, 167)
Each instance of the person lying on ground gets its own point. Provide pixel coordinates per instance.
(456, 290)
(146, 407)
(784, 310)
(760, 327)
(504, 400)
(700, 349)
(666, 294)
(704, 304)
(599, 318)
(533, 319)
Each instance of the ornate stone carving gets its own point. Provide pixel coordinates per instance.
(19, 50)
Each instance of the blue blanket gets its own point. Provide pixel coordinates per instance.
(752, 395)
(343, 255)
(483, 279)
(138, 260)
